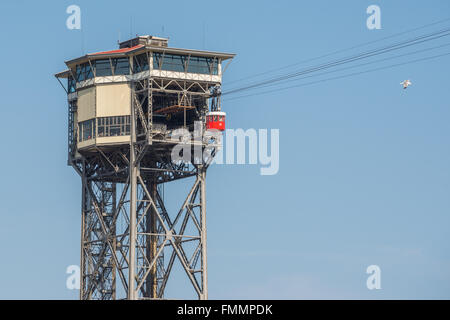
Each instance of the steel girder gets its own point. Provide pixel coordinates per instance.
(106, 248)
(129, 239)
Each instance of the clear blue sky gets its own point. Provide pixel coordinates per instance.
(364, 166)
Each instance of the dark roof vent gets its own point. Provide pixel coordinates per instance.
(144, 40)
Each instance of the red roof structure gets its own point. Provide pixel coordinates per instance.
(118, 50)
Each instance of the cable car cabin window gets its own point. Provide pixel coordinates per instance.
(87, 130)
(113, 126)
(140, 63)
(103, 68)
(121, 66)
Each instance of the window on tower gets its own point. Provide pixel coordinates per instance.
(203, 65)
(103, 68)
(169, 62)
(184, 63)
(84, 71)
(113, 126)
(71, 84)
(86, 130)
(121, 66)
(140, 63)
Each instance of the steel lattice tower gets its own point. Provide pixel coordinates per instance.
(121, 143)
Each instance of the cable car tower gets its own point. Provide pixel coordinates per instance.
(126, 110)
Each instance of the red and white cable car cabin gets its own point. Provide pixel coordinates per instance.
(215, 120)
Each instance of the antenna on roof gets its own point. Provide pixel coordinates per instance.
(82, 42)
(204, 35)
(131, 27)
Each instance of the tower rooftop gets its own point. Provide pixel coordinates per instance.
(148, 43)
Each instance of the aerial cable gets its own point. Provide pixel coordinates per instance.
(363, 55)
(340, 77)
(340, 51)
(352, 67)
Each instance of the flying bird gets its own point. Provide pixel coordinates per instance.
(406, 83)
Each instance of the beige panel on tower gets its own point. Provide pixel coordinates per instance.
(113, 100)
(86, 104)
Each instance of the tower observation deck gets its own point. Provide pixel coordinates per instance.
(139, 117)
